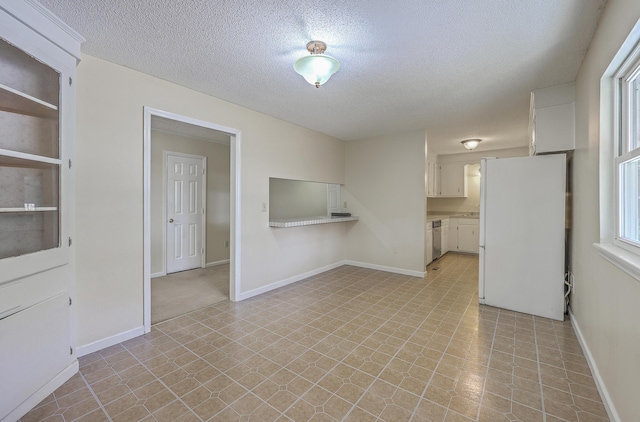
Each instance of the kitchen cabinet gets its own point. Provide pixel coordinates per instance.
(445, 236)
(432, 178)
(453, 180)
(38, 57)
(464, 235)
(551, 119)
(428, 245)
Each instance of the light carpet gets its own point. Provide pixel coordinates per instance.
(179, 293)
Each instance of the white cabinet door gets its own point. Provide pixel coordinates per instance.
(432, 178)
(428, 247)
(445, 237)
(453, 234)
(554, 128)
(453, 180)
(468, 238)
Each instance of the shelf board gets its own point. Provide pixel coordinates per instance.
(26, 211)
(14, 101)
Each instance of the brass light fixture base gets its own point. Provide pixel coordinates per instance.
(316, 47)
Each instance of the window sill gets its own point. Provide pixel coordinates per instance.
(623, 259)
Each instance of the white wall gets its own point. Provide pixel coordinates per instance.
(109, 173)
(606, 300)
(385, 187)
(472, 201)
(218, 207)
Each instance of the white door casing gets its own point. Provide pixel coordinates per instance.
(185, 211)
(235, 258)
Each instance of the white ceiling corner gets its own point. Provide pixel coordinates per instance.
(457, 68)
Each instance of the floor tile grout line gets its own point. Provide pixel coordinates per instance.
(535, 336)
(95, 396)
(486, 374)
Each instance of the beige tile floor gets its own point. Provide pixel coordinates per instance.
(350, 344)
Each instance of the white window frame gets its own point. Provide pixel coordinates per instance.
(621, 253)
(625, 109)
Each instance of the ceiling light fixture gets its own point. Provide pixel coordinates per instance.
(471, 143)
(318, 67)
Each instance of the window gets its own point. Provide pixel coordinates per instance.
(627, 157)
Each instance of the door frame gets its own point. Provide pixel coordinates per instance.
(235, 205)
(203, 196)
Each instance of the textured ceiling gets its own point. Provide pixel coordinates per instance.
(457, 68)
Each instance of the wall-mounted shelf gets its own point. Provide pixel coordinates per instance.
(14, 101)
(297, 222)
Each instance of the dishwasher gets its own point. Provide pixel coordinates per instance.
(437, 238)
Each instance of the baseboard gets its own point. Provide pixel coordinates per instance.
(109, 341)
(602, 388)
(216, 263)
(282, 283)
(160, 274)
(33, 400)
(395, 270)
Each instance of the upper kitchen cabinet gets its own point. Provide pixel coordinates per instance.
(433, 186)
(552, 120)
(38, 57)
(453, 180)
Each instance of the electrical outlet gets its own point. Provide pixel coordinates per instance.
(264, 207)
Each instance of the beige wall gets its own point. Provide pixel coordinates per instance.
(218, 210)
(109, 174)
(385, 187)
(472, 201)
(605, 303)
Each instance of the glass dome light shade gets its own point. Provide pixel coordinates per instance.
(316, 68)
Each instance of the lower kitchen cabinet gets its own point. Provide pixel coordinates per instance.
(445, 237)
(464, 235)
(428, 245)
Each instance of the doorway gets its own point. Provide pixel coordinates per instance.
(157, 262)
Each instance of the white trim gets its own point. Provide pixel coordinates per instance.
(286, 281)
(42, 393)
(602, 389)
(160, 274)
(47, 24)
(216, 263)
(394, 270)
(109, 341)
(621, 258)
(235, 205)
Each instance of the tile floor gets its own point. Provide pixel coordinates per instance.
(351, 344)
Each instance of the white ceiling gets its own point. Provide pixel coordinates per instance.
(457, 68)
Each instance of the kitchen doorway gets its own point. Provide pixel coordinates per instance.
(219, 247)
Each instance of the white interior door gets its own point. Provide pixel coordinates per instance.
(185, 212)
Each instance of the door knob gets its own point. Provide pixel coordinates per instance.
(171, 220)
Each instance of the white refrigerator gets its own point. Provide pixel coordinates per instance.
(522, 234)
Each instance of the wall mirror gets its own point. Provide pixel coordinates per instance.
(299, 199)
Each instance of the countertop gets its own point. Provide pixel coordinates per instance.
(445, 216)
